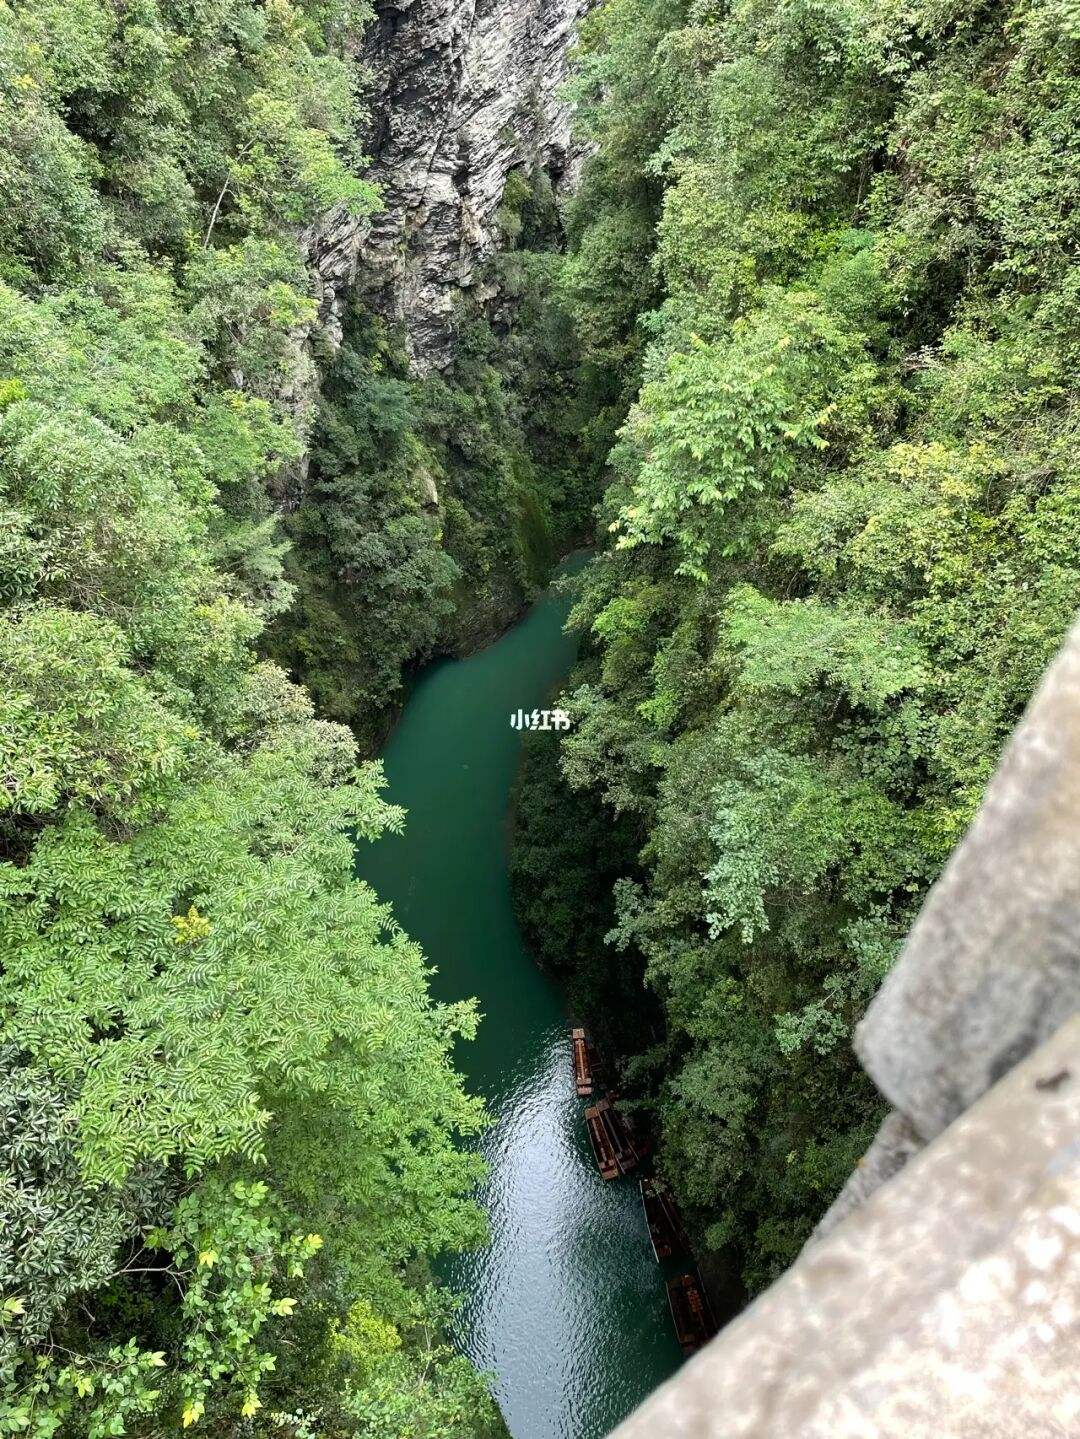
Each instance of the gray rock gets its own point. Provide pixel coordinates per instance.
(429, 491)
(468, 90)
(894, 1144)
(945, 1307)
(465, 91)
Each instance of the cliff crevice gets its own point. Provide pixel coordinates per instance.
(464, 92)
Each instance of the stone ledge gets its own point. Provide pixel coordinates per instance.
(947, 1306)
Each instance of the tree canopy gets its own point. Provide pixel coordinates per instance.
(229, 1118)
(839, 542)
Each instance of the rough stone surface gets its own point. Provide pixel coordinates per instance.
(332, 251)
(992, 964)
(945, 1307)
(894, 1144)
(465, 92)
(468, 90)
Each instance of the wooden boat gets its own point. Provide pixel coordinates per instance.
(691, 1312)
(665, 1223)
(582, 1064)
(601, 1143)
(622, 1146)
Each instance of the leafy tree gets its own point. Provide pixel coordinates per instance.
(838, 545)
(228, 1112)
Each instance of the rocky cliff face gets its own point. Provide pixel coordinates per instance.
(465, 91)
(468, 90)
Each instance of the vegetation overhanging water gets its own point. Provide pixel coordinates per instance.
(565, 1306)
(803, 342)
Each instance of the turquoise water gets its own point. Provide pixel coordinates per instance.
(565, 1306)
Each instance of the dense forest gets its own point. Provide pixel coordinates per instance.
(797, 358)
(227, 1107)
(822, 270)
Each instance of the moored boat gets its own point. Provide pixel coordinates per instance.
(663, 1219)
(601, 1143)
(622, 1145)
(583, 1077)
(691, 1312)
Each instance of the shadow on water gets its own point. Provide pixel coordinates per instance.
(565, 1306)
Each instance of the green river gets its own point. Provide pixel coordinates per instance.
(566, 1306)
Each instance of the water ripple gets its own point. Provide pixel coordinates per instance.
(564, 1304)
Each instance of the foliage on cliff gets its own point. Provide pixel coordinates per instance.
(228, 1116)
(435, 506)
(830, 245)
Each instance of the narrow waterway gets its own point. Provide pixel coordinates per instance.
(565, 1306)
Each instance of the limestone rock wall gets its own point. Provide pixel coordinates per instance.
(464, 92)
(467, 90)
